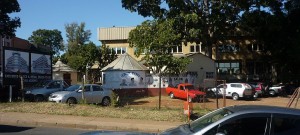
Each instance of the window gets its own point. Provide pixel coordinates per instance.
(87, 88)
(228, 48)
(209, 74)
(286, 125)
(236, 85)
(119, 50)
(242, 126)
(255, 47)
(176, 49)
(55, 84)
(196, 48)
(97, 88)
(228, 67)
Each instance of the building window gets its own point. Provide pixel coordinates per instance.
(119, 50)
(255, 47)
(196, 48)
(209, 75)
(228, 67)
(228, 48)
(176, 49)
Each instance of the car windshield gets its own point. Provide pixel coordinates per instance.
(189, 87)
(41, 84)
(208, 119)
(72, 88)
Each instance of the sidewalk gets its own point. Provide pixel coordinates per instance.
(94, 123)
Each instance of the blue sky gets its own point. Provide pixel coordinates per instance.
(54, 14)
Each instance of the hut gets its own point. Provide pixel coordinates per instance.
(126, 75)
(62, 71)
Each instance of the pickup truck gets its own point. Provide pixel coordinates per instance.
(42, 90)
(180, 91)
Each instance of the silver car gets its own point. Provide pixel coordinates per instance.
(243, 120)
(93, 94)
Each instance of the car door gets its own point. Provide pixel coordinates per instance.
(88, 94)
(246, 124)
(97, 93)
(182, 92)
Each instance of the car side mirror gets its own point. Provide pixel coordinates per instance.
(79, 91)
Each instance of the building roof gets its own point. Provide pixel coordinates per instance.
(61, 67)
(124, 62)
(114, 33)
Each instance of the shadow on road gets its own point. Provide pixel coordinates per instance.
(11, 129)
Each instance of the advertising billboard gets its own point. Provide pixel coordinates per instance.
(31, 66)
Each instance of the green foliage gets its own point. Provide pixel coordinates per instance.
(115, 101)
(51, 38)
(155, 39)
(76, 36)
(9, 25)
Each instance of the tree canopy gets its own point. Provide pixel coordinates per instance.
(9, 25)
(272, 24)
(51, 38)
(155, 40)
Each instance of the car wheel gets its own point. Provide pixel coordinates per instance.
(272, 93)
(172, 95)
(72, 101)
(39, 98)
(235, 96)
(105, 101)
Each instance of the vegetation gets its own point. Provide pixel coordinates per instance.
(9, 25)
(50, 38)
(125, 112)
(271, 24)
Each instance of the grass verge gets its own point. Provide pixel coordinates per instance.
(125, 112)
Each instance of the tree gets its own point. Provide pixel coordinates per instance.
(277, 29)
(154, 39)
(8, 25)
(197, 21)
(52, 38)
(106, 55)
(76, 36)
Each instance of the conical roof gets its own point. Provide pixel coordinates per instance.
(59, 66)
(124, 62)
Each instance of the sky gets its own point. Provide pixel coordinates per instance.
(54, 14)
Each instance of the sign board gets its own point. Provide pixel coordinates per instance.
(32, 66)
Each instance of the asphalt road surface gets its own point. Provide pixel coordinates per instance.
(24, 130)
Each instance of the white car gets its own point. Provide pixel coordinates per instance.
(93, 93)
(235, 90)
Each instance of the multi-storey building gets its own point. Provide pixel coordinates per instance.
(235, 60)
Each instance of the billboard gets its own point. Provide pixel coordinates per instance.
(31, 66)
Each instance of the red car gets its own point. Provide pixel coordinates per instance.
(183, 90)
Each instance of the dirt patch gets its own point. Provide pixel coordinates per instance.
(166, 102)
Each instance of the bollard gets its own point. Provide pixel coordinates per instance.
(10, 93)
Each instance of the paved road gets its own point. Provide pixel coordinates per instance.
(29, 130)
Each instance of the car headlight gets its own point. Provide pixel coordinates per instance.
(28, 92)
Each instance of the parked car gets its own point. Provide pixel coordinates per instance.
(235, 91)
(259, 88)
(41, 90)
(93, 93)
(243, 120)
(276, 90)
(184, 89)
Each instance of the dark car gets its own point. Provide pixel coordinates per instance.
(243, 120)
(259, 88)
(41, 90)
